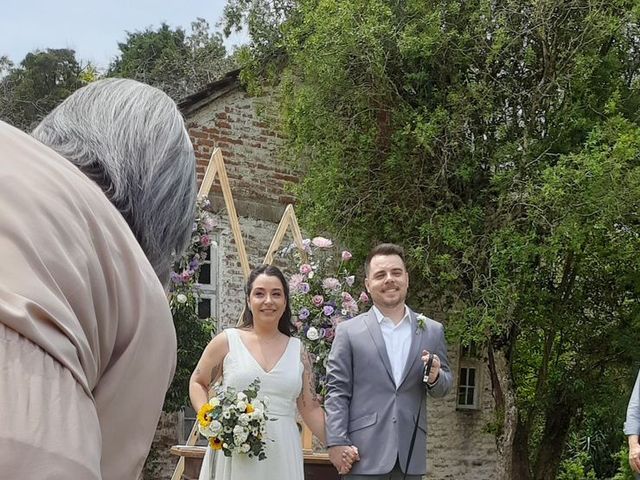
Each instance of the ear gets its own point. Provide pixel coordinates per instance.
(366, 284)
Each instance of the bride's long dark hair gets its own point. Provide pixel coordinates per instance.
(284, 324)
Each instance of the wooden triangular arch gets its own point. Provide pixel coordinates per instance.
(289, 220)
(216, 166)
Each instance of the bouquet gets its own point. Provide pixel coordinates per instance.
(235, 422)
(322, 294)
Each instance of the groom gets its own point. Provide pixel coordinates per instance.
(375, 377)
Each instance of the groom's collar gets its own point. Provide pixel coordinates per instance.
(380, 316)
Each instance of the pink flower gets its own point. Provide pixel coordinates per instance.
(295, 281)
(351, 307)
(364, 298)
(346, 297)
(205, 240)
(346, 255)
(331, 283)
(298, 325)
(305, 268)
(318, 300)
(322, 242)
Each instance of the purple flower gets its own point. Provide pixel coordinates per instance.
(303, 314)
(176, 278)
(331, 283)
(305, 268)
(304, 287)
(328, 310)
(346, 255)
(329, 333)
(318, 300)
(194, 264)
(364, 298)
(208, 222)
(350, 280)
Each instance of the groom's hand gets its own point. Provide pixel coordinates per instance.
(343, 457)
(435, 366)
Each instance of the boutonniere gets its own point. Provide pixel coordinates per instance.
(421, 323)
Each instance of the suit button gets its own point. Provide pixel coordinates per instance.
(394, 419)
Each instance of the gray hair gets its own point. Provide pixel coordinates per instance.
(131, 140)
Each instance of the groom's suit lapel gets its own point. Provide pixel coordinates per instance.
(376, 335)
(414, 350)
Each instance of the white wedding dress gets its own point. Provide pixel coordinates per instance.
(282, 385)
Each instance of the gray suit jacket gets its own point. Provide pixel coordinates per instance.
(363, 406)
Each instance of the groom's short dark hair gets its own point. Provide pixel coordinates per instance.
(383, 249)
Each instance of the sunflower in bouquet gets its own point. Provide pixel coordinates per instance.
(235, 422)
(323, 293)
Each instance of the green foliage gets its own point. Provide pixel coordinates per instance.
(171, 60)
(41, 81)
(576, 469)
(624, 469)
(498, 142)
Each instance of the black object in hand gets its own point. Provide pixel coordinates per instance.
(427, 369)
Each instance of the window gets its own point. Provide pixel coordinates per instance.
(208, 282)
(468, 378)
(467, 388)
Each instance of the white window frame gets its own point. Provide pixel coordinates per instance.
(210, 291)
(469, 361)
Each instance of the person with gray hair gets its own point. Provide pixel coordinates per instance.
(93, 207)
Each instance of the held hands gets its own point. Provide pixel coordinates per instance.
(343, 457)
(435, 367)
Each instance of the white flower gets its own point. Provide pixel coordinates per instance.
(241, 396)
(313, 334)
(241, 406)
(214, 402)
(421, 321)
(181, 298)
(243, 419)
(244, 448)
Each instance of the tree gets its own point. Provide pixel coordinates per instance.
(497, 142)
(171, 60)
(38, 85)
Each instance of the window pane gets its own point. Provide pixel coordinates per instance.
(204, 308)
(205, 273)
(470, 396)
(461, 395)
(471, 377)
(463, 376)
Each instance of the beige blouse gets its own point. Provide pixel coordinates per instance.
(74, 281)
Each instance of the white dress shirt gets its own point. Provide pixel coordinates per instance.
(397, 339)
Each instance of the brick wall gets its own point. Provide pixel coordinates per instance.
(249, 145)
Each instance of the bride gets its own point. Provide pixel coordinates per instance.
(263, 348)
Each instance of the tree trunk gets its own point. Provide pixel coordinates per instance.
(507, 415)
(554, 437)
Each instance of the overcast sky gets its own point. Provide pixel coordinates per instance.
(94, 28)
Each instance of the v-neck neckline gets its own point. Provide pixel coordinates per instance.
(275, 365)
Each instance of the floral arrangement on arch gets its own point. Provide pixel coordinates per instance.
(192, 334)
(185, 274)
(323, 293)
